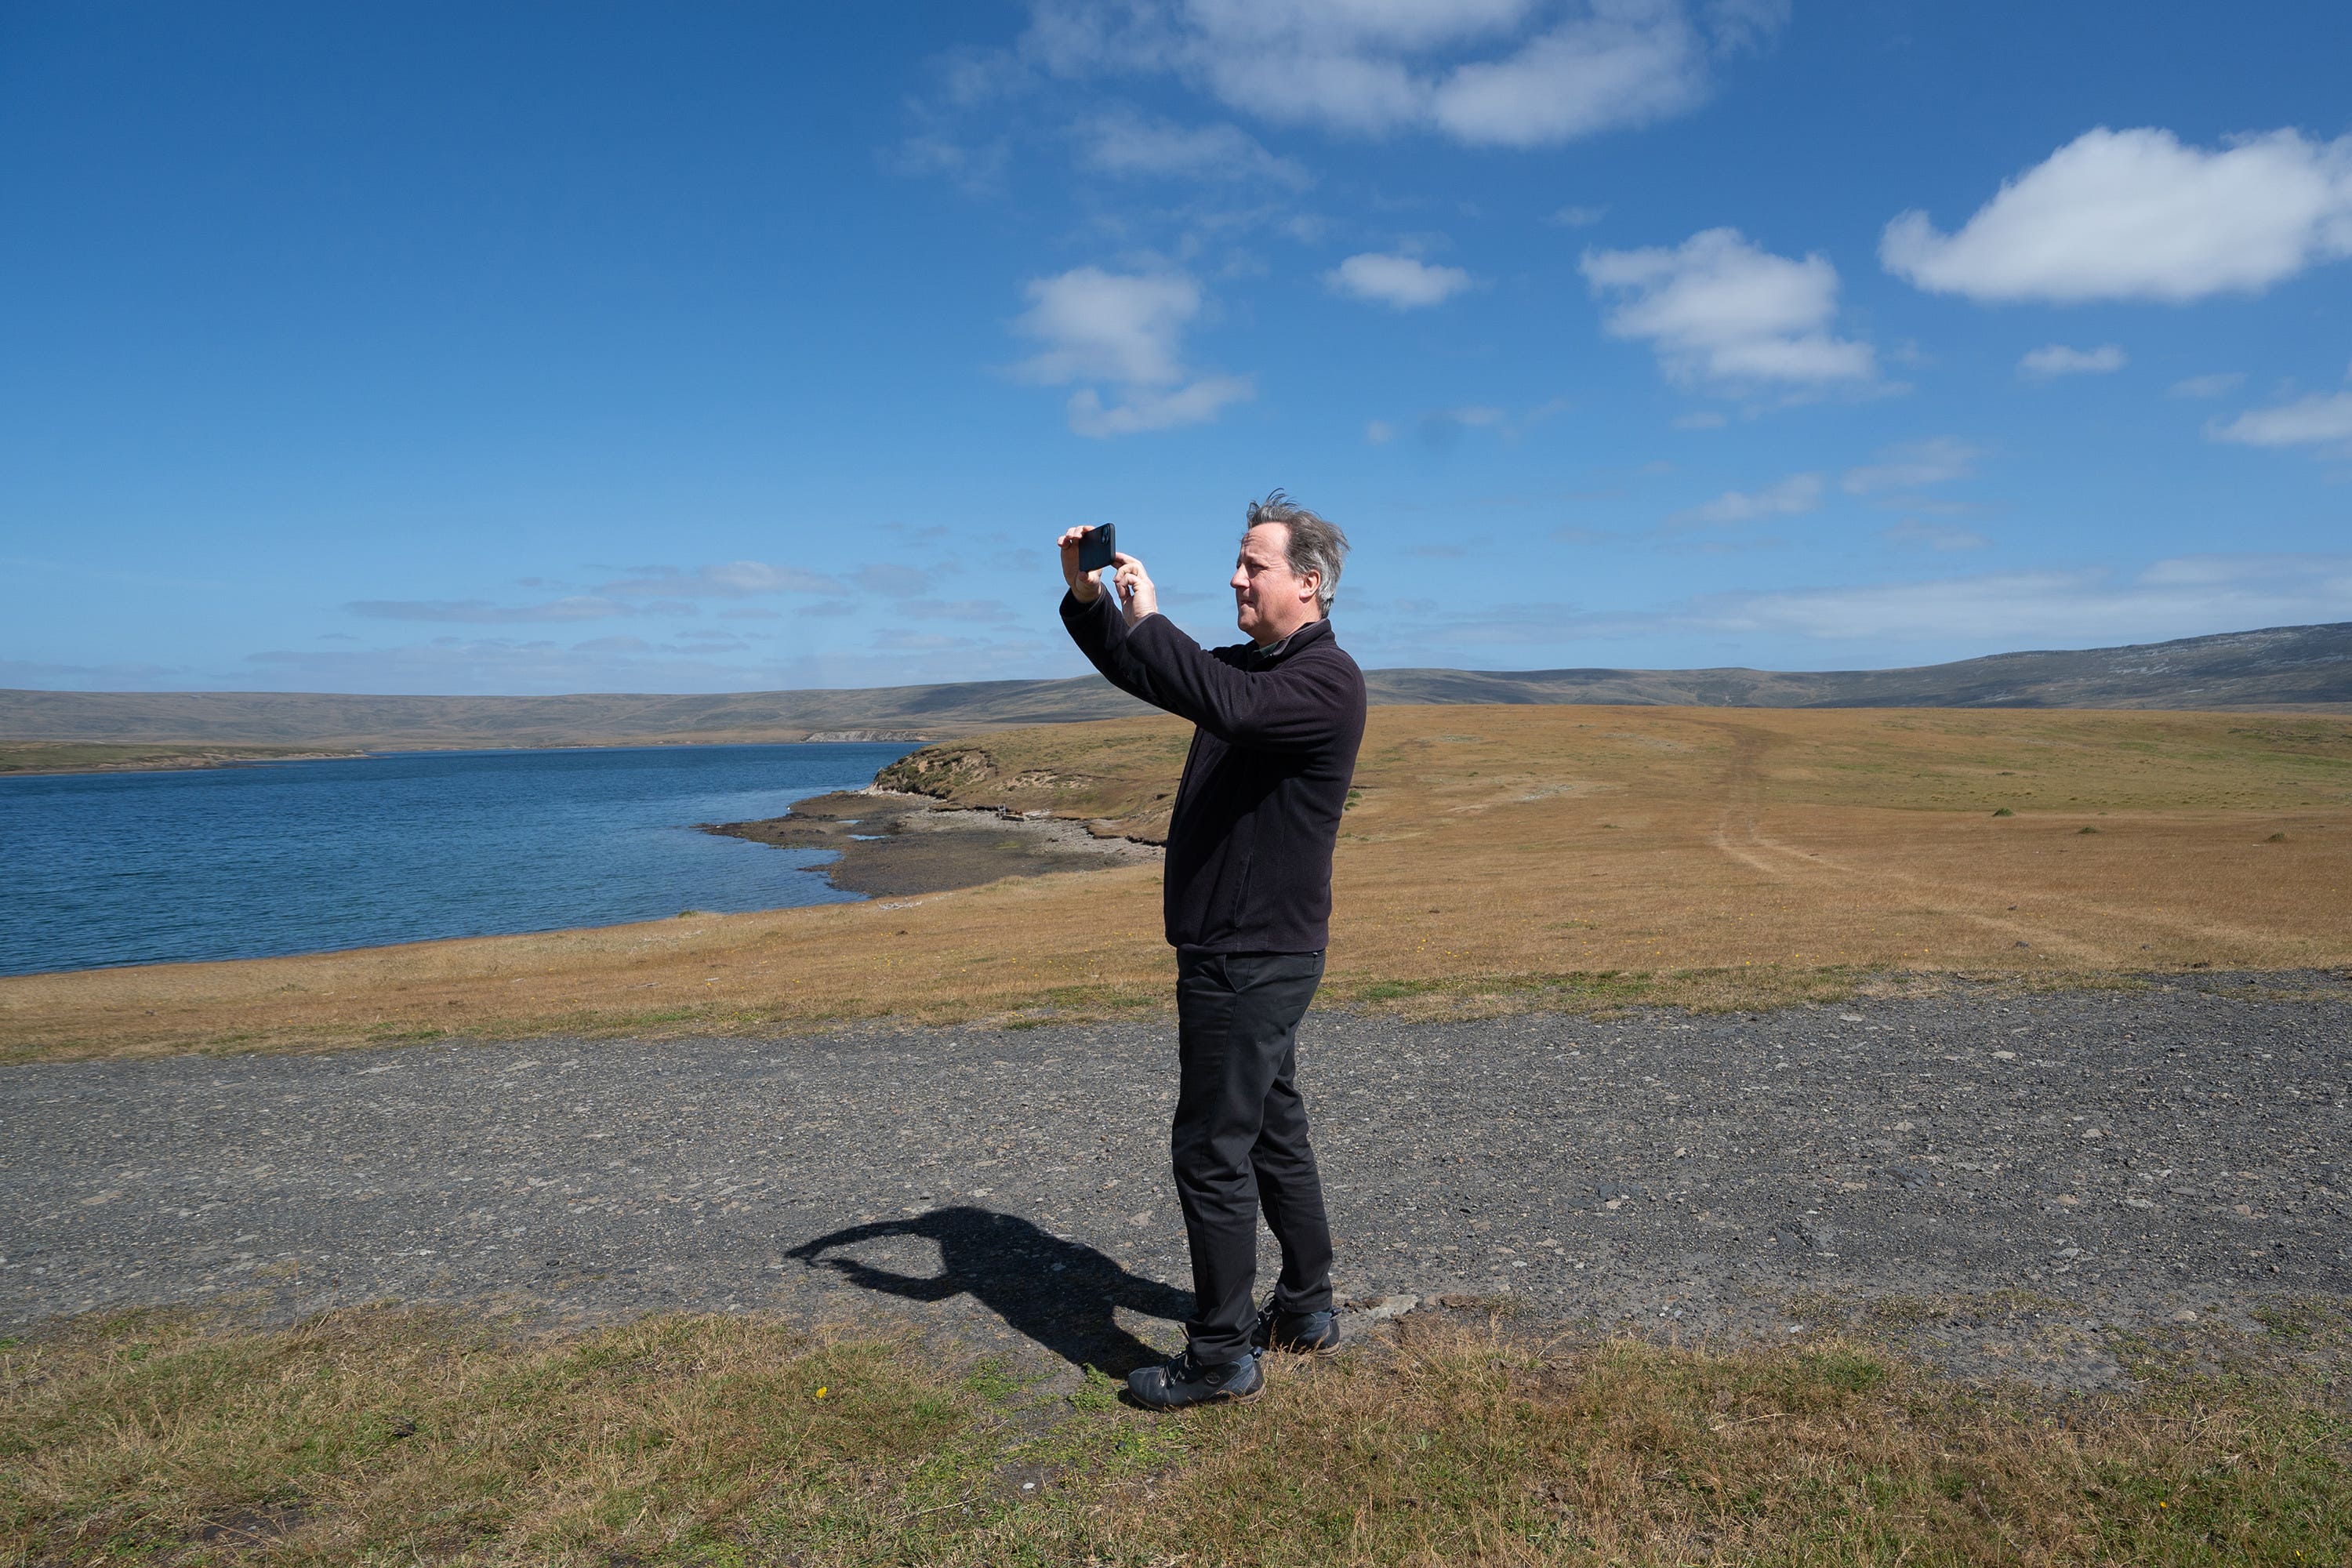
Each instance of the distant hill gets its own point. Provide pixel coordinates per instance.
(2283, 667)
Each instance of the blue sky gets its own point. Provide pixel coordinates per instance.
(687, 347)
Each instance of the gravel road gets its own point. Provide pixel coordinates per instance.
(2120, 1157)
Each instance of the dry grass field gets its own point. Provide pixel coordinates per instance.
(1493, 856)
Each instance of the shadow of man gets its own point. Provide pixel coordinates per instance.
(1059, 1293)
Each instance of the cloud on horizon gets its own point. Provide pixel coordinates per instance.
(1987, 613)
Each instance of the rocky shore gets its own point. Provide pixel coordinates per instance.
(890, 844)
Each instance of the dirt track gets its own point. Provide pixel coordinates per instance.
(2118, 1157)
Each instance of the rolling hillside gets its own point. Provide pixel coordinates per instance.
(2283, 667)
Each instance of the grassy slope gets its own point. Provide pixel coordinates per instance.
(400, 1437)
(1494, 857)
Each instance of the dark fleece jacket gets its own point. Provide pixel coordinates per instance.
(1249, 845)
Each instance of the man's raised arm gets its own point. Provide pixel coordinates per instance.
(1295, 706)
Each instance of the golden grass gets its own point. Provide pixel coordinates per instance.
(405, 1437)
(1494, 857)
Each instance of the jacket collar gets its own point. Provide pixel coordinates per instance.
(1300, 638)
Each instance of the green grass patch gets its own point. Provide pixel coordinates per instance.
(400, 1437)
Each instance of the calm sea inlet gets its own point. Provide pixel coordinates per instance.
(246, 862)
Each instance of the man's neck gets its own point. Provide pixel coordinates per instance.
(1267, 645)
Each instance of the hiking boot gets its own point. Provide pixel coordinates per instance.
(1183, 1382)
(1308, 1334)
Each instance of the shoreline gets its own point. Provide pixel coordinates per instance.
(890, 843)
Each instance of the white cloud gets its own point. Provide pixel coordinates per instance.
(2136, 215)
(1140, 409)
(1577, 218)
(1797, 493)
(1721, 311)
(2184, 596)
(1625, 64)
(731, 580)
(2057, 358)
(2323, 419)
(1379, 432)
(1514, 73)
(1933, 536)
(1108, 326)
(1122, 330)
(1400, 282)
(1913, 466)
(2208, 386)
(578, 607)
(1128, 144)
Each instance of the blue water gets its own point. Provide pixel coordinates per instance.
(108, 869)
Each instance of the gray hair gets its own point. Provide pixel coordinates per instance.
(1317, 545)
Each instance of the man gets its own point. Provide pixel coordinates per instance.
(1248, 899)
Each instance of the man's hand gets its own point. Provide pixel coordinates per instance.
(1136, 595)
(1083, 586)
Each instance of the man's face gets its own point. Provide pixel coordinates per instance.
(1270, 600)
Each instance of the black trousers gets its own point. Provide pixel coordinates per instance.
(1240, 1142)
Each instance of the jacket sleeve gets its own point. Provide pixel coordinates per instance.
(1101, 634)
(1297, 705)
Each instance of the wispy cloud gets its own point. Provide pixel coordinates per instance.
(732, 580)
(2324, 420)
(1482, 72)
(2058, 358)
(1912, 532)
(482, 612)
(130, 677)
(1796, 494)
(1953, 616)
(2182, 597)
(1126, 143)
(1913, 466)
(2213, 385)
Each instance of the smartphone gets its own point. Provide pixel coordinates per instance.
(1097, 546)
